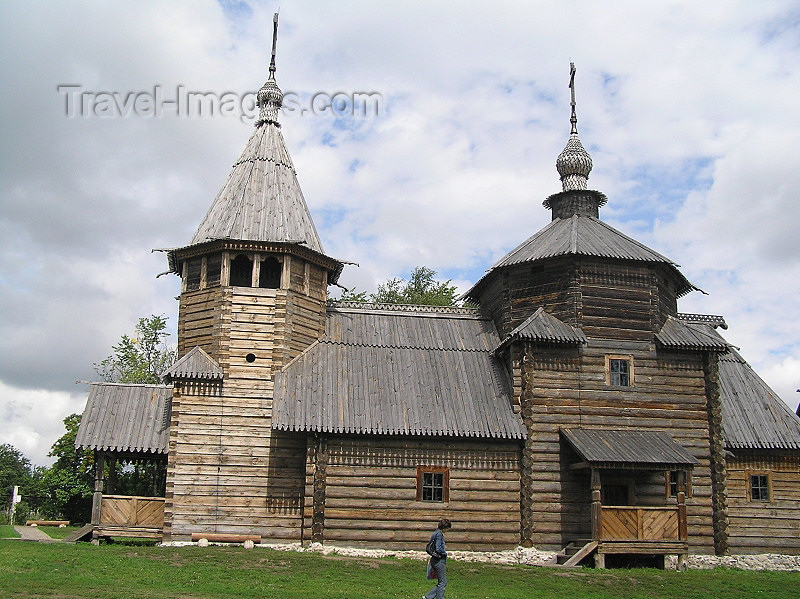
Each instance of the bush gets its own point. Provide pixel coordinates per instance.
(4, 519)
(21, 513)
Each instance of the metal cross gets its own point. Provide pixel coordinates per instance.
(274, 42)
(573, 118)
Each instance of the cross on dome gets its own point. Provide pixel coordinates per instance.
(574, 163)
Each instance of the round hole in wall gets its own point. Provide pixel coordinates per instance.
(250, 357)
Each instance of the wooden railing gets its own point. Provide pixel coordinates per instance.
(124, 510)
(633, 523)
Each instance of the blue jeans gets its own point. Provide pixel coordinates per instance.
(437, 592)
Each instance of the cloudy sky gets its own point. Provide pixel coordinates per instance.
(689, 110)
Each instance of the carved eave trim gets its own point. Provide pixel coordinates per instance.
(176, 256)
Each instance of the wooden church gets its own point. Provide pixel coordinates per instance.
(575, 407)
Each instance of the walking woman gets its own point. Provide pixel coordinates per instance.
(438, 561)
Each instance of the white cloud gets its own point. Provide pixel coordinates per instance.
(689, 111)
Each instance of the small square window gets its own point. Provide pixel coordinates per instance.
(433, 484)
(619, 372)
(672, 484)
(759, 487)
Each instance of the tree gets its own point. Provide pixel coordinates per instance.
(15, 470)
(69, 483)
(421, 289)
(142, 358)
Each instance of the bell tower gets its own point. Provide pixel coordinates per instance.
(254, 283)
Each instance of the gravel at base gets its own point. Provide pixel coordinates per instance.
(533, 557)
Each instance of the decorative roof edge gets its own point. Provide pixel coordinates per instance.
(710, 319)
(515, 436)
(292, 247)
(201, 367)
(410, 309)
(569, 335)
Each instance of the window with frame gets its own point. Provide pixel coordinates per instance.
(433, 484)
(759, 487)
(619, 371)
(672, 483)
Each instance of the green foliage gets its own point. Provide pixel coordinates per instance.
(422, 289)
(141, 478)
(15, 469)
(141, 358)
(351, 295)
(68, 485)
(21, 513)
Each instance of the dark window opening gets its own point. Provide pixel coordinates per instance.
(759, 487)
(213, 269)
(250, 357)
(619, 372)
(433, 484)
(193, 274)
(672, 484)
(270, 275)
(242, 271)
(616, 495)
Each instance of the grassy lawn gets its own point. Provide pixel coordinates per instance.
(7, 532)
(57, 533)
(116, 571)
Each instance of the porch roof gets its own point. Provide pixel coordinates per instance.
(633, 449)
(126, 418)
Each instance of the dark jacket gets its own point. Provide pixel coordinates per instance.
(438, 544)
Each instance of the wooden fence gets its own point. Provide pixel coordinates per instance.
(641, 524)
(128, 511)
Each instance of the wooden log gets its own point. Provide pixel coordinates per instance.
(47, 522)
(224, 538)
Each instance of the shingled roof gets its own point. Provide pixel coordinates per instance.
(126, 418)
(606, 448)
(262, 199)
(195, 365)
(679, 333)
(753, 415)
(581, 236)
(399, 372)
(542, 326)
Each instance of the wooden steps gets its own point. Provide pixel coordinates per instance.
(574, 553)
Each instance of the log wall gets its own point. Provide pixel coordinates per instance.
(228, 471)
(764, 526)
(609, 299)
(363, 492)
(566, 387)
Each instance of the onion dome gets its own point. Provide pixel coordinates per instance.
(574, 164)
(270, 96)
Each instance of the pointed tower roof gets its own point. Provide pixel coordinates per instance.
(576, 228)
(262, 199)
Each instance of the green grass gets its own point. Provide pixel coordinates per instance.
(113, 571)
(7, 532)
(58, 533)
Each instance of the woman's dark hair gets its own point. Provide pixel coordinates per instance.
(444, 523)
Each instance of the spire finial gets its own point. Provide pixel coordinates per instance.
(270, 96)
(573, 164)
(573, 119)
(274, 45)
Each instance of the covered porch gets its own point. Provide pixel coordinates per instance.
(128, 424)
(638, 482)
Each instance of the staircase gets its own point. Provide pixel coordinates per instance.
(573, 554)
